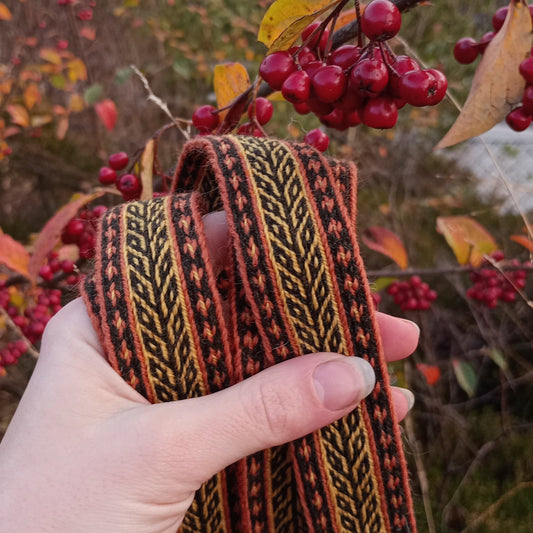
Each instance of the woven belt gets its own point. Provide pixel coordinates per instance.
(295, 285)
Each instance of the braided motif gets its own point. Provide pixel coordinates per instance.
(295, 285)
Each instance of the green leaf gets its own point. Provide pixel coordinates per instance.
(58, 81)
(123, 75)
(466, 376)
(92, 93)
(382, 283)
(498, 357)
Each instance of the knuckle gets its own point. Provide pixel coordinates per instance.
(268, 410)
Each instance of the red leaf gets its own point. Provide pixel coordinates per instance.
(430, 372)
(107, 113)
(13, 254)
(386, 242)
(524, 241)
(51, 233)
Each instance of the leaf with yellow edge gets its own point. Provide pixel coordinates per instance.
(77, 70)
(51, 233)
(468, 239)
(386, 242)
(5, 14)
(147, 170)
(19, 115)
(32, 95)
(525, 241)
(286, 19)
(497, 85)
(230, 80)
(50, 55)
(13, 254)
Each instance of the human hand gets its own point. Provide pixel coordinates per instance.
(85, 452)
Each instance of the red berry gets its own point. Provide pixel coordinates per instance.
(107, 176)
(345, 56)
(130, 186)
(527, 100)
(499, 18)
(73, 231)
(329, 83)
(205, 119)
(303, 56)
(297, 87)
(335, 119)
(275, 69)
(119, 160)
(67, 266)
(319, 107)
(369, 77)
(466, 50)
(399, 67)
(380, 113)
(46, 272)
(437, 90)
(381, 20)
(417, 87)
(352, 119)
(518, 120)
(318, 139)
(351, 101)
(526, 69)
(302, 109)
(99, 211)
(263, 110)
(485, 40)
(313, 67)
(314, 40)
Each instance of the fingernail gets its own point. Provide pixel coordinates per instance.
(409, 396)
(343, 382)
(412, 324)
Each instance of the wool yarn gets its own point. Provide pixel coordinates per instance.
(295, 284)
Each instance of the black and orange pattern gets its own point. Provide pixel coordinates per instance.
(296, 285)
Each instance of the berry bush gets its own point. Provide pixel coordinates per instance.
(366, 82)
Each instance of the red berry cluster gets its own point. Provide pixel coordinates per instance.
(128, 184)
(206, 119)
(412, 295)
(34, 317)
(491, 286)
(466, 50)
(10, 354)
(81, 230)
(54, 266)
(353, 84)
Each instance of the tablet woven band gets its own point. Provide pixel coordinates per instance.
(295, 285)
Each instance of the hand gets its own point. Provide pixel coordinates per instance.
(86, 453)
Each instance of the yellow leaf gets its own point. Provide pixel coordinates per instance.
(286, 19)
(77, 70)
(13, 254)
(230, 80)
(276, 97)
(50, 55)
(147, 170)
(387, 243)
(32, 95)
(19, 115)
(497, 85)
(5, 14)
(76, 103)
(5, 86)
(40, 120)
(468, 239)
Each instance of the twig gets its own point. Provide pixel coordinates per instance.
(492, 508)
(160, 103)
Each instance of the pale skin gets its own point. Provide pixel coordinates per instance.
(86, 453)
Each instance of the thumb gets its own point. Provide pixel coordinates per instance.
(278, 405)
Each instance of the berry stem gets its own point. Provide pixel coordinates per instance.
(358, 17)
